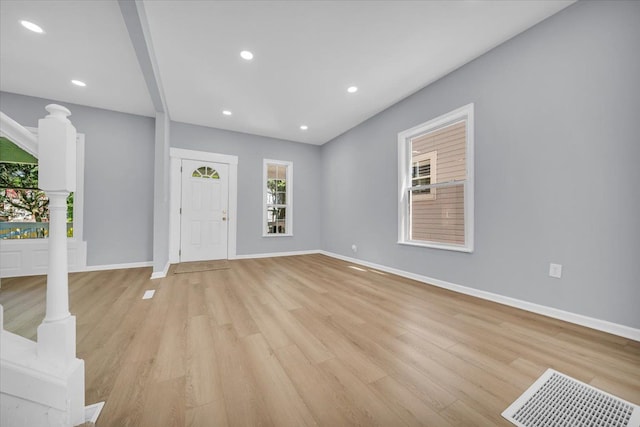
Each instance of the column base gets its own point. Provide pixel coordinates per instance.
(35, 392)
(57, 341)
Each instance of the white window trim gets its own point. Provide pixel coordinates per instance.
(289, 197)
(404, 178)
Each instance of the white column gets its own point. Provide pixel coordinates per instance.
(56, 177)
(57, 276)
(56, 346)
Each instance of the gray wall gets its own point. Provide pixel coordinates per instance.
(251, 150)
(556, 171)
(119, 154)
(557, 152)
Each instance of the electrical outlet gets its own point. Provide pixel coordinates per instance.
(354, 248)
(555, 270)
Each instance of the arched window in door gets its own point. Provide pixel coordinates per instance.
(205, 172)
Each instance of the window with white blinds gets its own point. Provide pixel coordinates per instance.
(436, 182)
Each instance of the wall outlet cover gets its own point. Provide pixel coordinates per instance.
(555, 270)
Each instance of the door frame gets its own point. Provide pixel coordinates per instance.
(176, 157)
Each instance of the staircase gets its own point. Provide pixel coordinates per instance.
(42, 383)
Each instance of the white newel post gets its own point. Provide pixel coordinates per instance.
(57, 178)
(57, 276)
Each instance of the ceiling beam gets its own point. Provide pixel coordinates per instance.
(135, 19)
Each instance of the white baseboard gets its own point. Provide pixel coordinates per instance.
(163, 273)
(113, 266)
(578, 319)
(277, 254)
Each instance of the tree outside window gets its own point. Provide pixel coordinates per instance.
(24, 209)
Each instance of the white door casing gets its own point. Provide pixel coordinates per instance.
(175, 177)
(204, 211)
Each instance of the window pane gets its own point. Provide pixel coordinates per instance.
(205, 172)
(24, 209)
(440, 153)
(271, 171)
(198, 173)
(278, 201)
(276, 220)
(24, 214)
(439, 219)
(271, 193)
(278, 172)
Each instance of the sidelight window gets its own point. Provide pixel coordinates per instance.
(277, 190)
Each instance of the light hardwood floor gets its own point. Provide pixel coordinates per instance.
(310, 340)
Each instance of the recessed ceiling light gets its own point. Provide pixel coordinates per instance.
(245, 54)
(304, 127)
(352, 89)
(227, 112)
(78, 83)
(32, 27)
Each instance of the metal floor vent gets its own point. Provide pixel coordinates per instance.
(556, 400)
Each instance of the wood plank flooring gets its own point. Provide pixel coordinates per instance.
(310, 340)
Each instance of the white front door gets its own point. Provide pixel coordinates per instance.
(203, 223)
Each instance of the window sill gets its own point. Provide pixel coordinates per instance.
(455, 248)
(277, 235)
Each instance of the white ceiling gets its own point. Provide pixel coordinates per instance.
(306, 54)
(84, 40)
